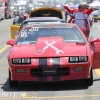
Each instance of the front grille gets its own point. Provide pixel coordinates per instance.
(60, 71)
(36, 71)
(63, 71)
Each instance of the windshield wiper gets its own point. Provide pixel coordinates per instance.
(32, 42)
(80, 42)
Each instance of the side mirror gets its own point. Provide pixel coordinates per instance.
(10, 42)
(92, 40)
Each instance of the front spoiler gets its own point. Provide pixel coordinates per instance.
(50, 78)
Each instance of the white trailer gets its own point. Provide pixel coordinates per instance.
(2, 9)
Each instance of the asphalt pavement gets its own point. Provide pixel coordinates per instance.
(70, 90)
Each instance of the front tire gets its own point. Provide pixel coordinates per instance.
(9, 16)
(12, 83)
(89, 81)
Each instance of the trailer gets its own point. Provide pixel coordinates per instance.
(2, 10)
(8, 11)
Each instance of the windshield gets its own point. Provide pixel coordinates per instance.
(30, 35)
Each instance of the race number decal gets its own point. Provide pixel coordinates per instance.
(34, 29)
(33, 23)
(24, 34)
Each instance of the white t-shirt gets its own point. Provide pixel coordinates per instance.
(90, 17)
(22, 12)
(80, 23)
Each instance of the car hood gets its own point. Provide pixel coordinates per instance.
(49, 47)
(47, 12)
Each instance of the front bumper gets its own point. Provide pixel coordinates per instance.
(50, 78)
(71, 75)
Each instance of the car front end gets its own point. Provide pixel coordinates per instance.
(29, 66)
(50, 53)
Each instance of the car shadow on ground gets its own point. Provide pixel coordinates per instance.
(50, 86)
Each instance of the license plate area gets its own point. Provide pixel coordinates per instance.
(49, 71)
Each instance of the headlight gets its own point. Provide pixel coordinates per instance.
(78, 59)
(73, 59)
(83, 59)
(21, 61)
(16, 61)
(26, 61)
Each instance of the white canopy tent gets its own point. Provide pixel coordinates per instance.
(95, 4)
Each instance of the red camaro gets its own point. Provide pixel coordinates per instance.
(52, 52)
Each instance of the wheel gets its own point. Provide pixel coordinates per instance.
(6, 17)
(89, 81)
(3, 17)
(12, 83)
(9, 16)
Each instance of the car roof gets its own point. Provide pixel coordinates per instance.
(53, 24)
(48, 19)
(42, 18)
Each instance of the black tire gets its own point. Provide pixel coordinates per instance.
(12, 83)
(6, 17)
(9, 16)
(89, 81)
(2, 18)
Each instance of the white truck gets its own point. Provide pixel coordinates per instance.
(2, 9)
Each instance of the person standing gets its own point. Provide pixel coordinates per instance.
(23, 16)
(80, 13)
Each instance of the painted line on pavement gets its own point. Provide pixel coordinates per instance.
(97, 72)
(4, 48)
(53, 97)
(77, 96)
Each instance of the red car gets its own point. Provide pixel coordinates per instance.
(52, 52)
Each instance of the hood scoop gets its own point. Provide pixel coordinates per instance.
(49, 45)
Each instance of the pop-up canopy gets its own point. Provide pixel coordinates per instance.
(95, 4)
